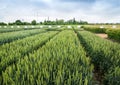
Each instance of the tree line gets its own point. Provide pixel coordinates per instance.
(47, 22)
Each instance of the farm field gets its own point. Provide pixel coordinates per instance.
(104, 26)
(57, 55)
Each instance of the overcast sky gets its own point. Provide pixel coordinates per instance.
(88, 10)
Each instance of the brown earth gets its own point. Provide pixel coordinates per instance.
(102, 35)
(105, 36)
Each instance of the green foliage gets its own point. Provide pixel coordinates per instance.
(104, 54)
(2, 23)
(59, 22)
(9, 37)
(114, 34)
(113, 78)
(56, 57)
(62, 22)
(95, 30)
(10, 53)
(62, 61)
(3, 30)
(18, 22)
(33, 22)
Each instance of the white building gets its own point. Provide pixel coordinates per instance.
(12, 26)
(49, 26)
(101, 26)
(69, 26)
(114, 26)
(32, 26)
(5, 26)
(41, 26)
(25, 27)
(18, 26)
(79, 26)
(58, 26)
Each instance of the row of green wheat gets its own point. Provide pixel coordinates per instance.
(11, 52)
(105, 55)
(62, 61)
(11, 36)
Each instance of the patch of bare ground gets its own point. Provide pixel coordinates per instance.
(98, 76)
(105, 36)
(102, 35)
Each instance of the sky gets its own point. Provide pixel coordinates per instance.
(93, 11)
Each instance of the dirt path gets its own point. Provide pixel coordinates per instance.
(102, 35)
(105, 36)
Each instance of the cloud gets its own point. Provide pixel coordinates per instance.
(89, 10)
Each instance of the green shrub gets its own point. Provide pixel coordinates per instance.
(114, 34)
(95, 30)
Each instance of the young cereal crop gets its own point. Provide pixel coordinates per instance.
(12, 52)
(9, 37)
(62, 61)
(105, 55)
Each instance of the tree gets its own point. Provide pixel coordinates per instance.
(2, 23)
(26, 23)
(74, 21)
(18, 22)
(34, 22)
(60, 22)
(83, 22)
